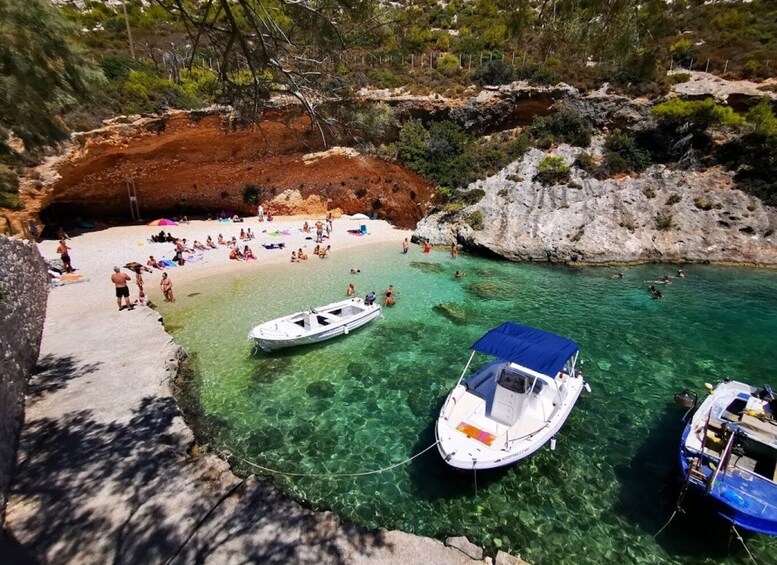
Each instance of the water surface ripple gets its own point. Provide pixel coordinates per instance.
(369, 400)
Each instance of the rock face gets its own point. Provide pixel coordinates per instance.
(183, 163)
(660, 215)
(23, 294)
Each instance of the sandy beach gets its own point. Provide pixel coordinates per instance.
(94, 254)
(105, 469)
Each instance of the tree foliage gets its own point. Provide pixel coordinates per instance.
(279, 44)
(42, 72)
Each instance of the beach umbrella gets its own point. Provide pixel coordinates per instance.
(360, 217)
(162, 222)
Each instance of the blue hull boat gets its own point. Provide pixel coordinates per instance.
(728, 452)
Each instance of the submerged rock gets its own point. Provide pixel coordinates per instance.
(454, 312)
(489, 291)
(425, 267)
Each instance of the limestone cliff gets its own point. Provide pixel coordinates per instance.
(24, 286)
(660, 215)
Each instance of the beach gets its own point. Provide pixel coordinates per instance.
(94, 254)
(106, 469)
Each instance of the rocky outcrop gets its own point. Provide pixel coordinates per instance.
(517, 104)
(184, 163)
(660, 215)
(23, 295)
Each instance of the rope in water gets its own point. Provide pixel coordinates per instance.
(330, 475)
(734, 528)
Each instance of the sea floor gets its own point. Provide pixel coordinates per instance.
(369, 400)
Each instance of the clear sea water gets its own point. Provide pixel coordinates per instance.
(370, 399)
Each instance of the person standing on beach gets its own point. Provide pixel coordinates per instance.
(454, 250)
(65, 256)
(319, 232)
(166, 284)
(405, 246)
(260, 213)
(120, 281)
(139, 282)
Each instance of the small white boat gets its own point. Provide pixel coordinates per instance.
(314, 325)
(511, 407)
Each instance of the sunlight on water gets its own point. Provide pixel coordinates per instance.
(370, 399)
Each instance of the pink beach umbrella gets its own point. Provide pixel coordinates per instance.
(162, 222)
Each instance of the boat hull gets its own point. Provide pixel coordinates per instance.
(738, 495)
(465, 453)
(269, 339)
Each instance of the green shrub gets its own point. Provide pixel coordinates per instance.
(448, 65)
(702, 203)
(454, 207)
(385, 79)
(9, 188)
(566, 125)
(494, 73)
(649, 192)
(679, 78)
(664, 221)
(698, 114)
(761, 117)
(475, 220)
(674, 198)
(585, 162)
(622, 154)
(552, 170)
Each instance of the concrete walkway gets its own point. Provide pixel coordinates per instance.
(104, 476)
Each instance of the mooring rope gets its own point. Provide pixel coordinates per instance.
(734, 529)
(330, 475)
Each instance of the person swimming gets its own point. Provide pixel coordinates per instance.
(388, 296)
(459, 275)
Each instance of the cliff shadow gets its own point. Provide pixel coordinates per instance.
(124, 492)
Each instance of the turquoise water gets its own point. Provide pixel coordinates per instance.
(370, 399)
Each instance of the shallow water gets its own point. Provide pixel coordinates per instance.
(369, 400)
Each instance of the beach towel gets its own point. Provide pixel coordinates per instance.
(273, 245)
(167, 263)
(274, 233)
(285, 232)
(475, 433)
(356, 232)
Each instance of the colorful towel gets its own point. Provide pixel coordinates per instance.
(475, 433)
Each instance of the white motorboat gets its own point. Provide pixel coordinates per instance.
(511, 407)
(314, 325)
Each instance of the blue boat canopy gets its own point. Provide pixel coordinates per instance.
(540, 351)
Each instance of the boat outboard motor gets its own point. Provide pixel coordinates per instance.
(685, 398)
(766, 393)
(369, 300)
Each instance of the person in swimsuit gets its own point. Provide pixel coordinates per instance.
(427, 247)
(166, 284)
(139, 282)
(120, 281)
(351, 290)
(388, 296)
(454, 250)
(405, 246)
(154, 263)
(65, 256)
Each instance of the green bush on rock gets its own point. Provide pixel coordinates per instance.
(552, 170)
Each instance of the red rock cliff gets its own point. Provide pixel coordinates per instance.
(184, 164)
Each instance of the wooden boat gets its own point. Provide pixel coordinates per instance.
(314, 325)
(513, 406)
(728, 452)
